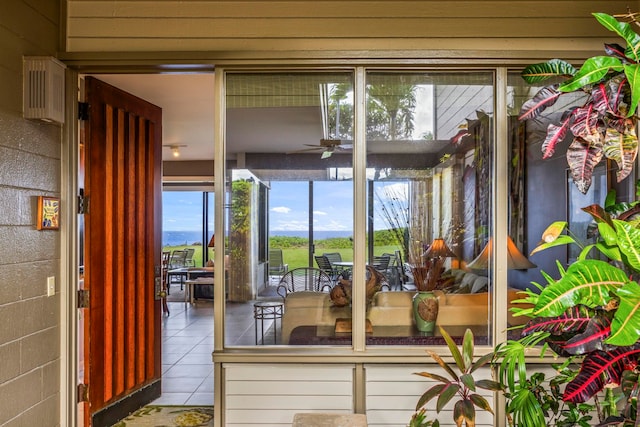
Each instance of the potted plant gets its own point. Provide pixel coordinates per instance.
(589, 315)
(459, 384)
(605, 125)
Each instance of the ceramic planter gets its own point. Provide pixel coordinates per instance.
(425, 311)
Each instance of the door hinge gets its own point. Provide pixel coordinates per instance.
(83, 111)
(83, 393)
(83, 298)
(83, 203)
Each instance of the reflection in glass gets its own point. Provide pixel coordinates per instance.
(430, 145)
(289, 144)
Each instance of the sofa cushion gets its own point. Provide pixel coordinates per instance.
(308, 308)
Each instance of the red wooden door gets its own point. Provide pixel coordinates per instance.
(122, 244)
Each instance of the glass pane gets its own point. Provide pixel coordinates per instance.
(535, 199)
(288, 227)
(429, 153)
(288, 137)
(211, 241)
(182, 226)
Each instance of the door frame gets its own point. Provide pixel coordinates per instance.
(69, 246)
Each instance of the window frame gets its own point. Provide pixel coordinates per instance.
(499, 220)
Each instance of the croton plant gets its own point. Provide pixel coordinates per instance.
(591, 316)
(605, 125)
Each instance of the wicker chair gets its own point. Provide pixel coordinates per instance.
(304, 279)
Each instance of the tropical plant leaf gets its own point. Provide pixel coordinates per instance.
(467, 350)
(489, 385)
(625, 327)
(622, 149)
(482, 360)
(598, 214)
(592, 71)
(480, 402)
(429, 394)
(608, 233)
(443, 364)
(574, 319)
(614, 49)
(599, 369)
(582, 159)
(526, 409)
(446, 395)
(629, 243)
(629, 382)
(559, 241)
(546, 97)
(433, 376)
(468, 381)
(536, 73)
(624, 30)
(600, 98)
(453, 349)
(589, 282)
(585, 124)
(618, 94)
(557, 343)
(597, 330)
(555, 135)
(463, 411)
(611, 252)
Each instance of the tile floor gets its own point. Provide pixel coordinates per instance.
(187, 344)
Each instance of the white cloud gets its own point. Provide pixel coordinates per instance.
(398, 191)
(291, 226)
(281, 209)
(319, 213)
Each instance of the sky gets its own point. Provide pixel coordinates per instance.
(289, 206)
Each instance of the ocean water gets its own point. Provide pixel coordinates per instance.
(175, 238)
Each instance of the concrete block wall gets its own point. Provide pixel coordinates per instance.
(29, 167)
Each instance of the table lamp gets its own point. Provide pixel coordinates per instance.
(212, 244)
(515, 259)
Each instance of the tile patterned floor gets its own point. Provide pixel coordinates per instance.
(187, 344)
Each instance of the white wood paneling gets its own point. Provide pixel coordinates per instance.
(270, 395)
(173, 25)
(392, 392)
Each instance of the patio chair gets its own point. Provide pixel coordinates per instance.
(177, 259)
(333, 257)
(304, 279)
(277, 267)
(381, 262)
(323, 264)
(188, 258)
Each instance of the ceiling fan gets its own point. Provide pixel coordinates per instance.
(328, 145)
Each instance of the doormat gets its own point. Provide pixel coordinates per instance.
(169, 416)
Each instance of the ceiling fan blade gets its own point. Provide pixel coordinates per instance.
(304, 150)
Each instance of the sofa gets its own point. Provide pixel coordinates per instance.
(394, 308)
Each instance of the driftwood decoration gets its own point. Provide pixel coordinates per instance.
(341, 293)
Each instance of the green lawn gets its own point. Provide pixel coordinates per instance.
(299, 257)
(295, 257)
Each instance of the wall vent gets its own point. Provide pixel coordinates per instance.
(43, 91)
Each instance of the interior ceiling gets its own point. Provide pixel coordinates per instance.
(187, 104)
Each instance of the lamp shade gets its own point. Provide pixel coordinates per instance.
(438, 249)
(212, 242)
(515, 259)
